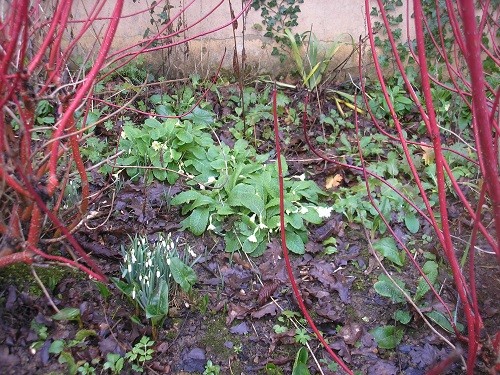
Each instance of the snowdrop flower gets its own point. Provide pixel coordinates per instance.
(133, 293)
(158, 274)
(252, 218)
(324, 212)
(303, 210)
(210, 180)
(133, 258)
(157, 146)
(168, 261)
(129, 268)
(252, 238)
(202, 187)
(261, 224)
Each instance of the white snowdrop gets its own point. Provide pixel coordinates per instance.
(252, 238)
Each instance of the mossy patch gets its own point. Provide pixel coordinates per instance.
(20, 276)
(216, 339)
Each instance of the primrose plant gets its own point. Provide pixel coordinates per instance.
(150, 273)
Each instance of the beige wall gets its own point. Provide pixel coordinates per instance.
(330, 20)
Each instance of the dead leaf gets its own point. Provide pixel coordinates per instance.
(235, 312)
(428, 155)
(270, 309)
(333, 181)
(266, 292)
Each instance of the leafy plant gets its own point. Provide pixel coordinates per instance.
(165, 148)
(278, 16)
(63, 349)
(211, 369)
(311, 65)
(245, 193)
(114, 363)
(86, 369)
(300, 363)
(140, 354)
(149, 271)
(387, 337)
(302, 336)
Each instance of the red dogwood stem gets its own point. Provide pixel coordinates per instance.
(286, 254)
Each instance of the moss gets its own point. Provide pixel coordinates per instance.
(351, 311)
(20, 276)
(216, 335)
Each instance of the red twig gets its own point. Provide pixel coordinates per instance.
(286, 255)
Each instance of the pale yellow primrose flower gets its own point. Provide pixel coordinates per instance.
(324, 212)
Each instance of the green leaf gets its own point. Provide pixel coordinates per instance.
(83, 334)
(198, 221)
(57, 346)
(68, 313)
(387, 248)
(387, 337)
(412, 223)
(441, 320)
(402, 316)
(200, 116)
(185, 197)
(300, 364)
(312, 216)
(295, 220)
(430, 269)
(245, 195)
(157, 306)
(295, 243)
(185, 137)
(386, 288)
(156, 128)
(182, 274)
(67, 358)
(103, 290)
(231, 242)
